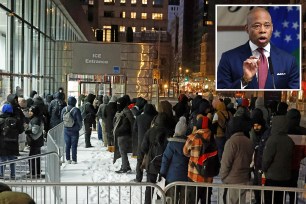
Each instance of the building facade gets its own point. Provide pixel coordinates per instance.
(29, 32)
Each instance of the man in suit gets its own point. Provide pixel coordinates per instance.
(241, 67)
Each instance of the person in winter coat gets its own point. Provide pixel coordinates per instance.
(55, 109)
(235, 163)
(89, 118)
(299, 151)
(174, 165)
(35, 139)
(138, 108)
(220, 120)
(260, 103)
(71, 134)
(259, 134)
(9, 149)
(109, 114)
(166, 107)
(8, 196)
(192, 149)
(153, 146)
(22, 137)
(123, 123)
(17, 112)
(141, 125)
(181, 108)
(277, 159)
(100, 114)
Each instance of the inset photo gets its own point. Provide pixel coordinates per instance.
(258, 47)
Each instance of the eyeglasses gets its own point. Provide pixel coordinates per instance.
(259, 26)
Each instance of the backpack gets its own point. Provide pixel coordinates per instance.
(208, 164)
(83, 110)
(155, 155)
(9, 129)
(67, 118)
(223, 127)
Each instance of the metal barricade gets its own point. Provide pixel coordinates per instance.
(244, 194)
(56, 141)
(89, 193)
(48, 164)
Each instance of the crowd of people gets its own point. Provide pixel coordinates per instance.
(194, 140)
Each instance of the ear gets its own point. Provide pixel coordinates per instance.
(246, 28)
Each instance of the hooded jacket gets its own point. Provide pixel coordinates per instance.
(159, 133)
(138, 108)
(55, 109)
(89, 109)
(109, 114)
(35, 128)
(278, 151)
(76, 115)
(260, 103)
(101, 109)
(17, 112)
(237, 155)
(223, 116)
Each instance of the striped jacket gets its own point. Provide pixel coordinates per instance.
(192, 149)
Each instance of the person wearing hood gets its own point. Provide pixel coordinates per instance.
(71, 134)
(299, 152)
(277, 156)
(9, 147)
(259, 134)
(35, 139)
(260, 103)
(89, 118)
(236, 161)
(181, 108)
(33, 94)
(138, 108)
(192, 149)
(219, 122)
(55, 109)
(100, 114)
(174, 165)
(155, 138)
(123, 127)
(109, 114)
(17, 112)
(141, 125)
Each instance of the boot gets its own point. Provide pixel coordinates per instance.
(111, 148)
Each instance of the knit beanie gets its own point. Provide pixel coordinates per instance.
(7, 108)
(181, 127)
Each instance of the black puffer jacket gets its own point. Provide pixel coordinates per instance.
(90, 110)
(8, 148)
(158, 133)
(109, 114)
(55, 109)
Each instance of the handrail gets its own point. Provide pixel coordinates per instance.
(28, 158)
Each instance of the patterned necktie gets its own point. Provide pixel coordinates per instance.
(262, 69)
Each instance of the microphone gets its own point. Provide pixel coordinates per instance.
(271, 71)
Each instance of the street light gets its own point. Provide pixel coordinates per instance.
(165, 89)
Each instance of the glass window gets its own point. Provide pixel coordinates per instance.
(122, 28)
(133, 1)
(144, 2)
(134, 29)
(35, 69)
(17, 36)
(157, 16)
(35, 14)
(107, 33)
(18, 7)
(133, 14)
(3, 37)
(42, 15)
(143, 15)
(143, 28)
(108, 1)
(53, 17)
(27, 50)
(27, 10)
(122, 14)
(157, 2)
(122, 1)
(109, 14)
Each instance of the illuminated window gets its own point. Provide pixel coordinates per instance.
(122, 28)
(133, 1)
(134, 29)
(122, 14)
(122, 1)
(133, 14)
(143, 15)
(91, 2)
(108, 1)
(144, 2)
(143, 28)
(157, 16)
(107, 33)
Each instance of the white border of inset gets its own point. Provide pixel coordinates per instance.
(250, 5)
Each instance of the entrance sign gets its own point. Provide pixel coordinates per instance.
(116, 70)
(95, 58)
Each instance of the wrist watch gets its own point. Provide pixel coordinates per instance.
(244, 81)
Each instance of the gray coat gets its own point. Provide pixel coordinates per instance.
(236, 159)
(277, 155)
